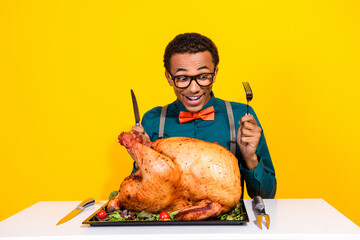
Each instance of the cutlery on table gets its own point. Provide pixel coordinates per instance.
(88, 202)
(249, 95)
(260, 208)
(136, 108)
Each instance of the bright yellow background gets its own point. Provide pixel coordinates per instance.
(67, 67)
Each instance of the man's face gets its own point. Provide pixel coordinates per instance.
(194, 97)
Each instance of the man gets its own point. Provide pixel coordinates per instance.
(191, 63)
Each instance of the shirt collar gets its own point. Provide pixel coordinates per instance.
(211, 102)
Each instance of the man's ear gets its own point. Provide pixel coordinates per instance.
(216, 72)
(170, 81)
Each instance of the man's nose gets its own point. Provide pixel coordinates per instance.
(194, 87)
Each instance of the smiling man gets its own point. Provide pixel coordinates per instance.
(191, 64)
(193, 92)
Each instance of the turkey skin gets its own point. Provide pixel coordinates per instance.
(197, 178)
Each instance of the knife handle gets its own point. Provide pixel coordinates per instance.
(88, 202)
(258, 202)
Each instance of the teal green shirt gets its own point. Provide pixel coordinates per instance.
(261, 180)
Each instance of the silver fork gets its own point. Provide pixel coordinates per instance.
(249, 95)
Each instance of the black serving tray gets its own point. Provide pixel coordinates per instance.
(211, 221)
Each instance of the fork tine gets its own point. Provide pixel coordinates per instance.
(250, 89)
(249, 95)
(246, 85)
(247, 88)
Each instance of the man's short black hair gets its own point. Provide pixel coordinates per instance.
(190, 43)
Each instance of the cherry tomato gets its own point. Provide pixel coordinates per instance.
(164, 216)
(102, 214)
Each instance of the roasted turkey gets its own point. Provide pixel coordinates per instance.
(197, 178)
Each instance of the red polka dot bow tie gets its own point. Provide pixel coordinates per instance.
(206, 114)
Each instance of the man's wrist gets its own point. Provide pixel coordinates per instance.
(252, 162)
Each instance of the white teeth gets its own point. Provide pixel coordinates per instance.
(194, 98)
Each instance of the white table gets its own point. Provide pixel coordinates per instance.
(290, 219)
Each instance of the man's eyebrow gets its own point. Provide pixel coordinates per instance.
(181, 69)
(203, 67)
(185, 70)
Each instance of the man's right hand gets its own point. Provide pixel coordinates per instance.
(140, 129)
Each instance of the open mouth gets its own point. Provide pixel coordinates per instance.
(194, 100)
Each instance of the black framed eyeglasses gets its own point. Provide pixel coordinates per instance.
(184, 81)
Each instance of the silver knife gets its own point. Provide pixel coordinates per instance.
(136, 109)
(77, 210)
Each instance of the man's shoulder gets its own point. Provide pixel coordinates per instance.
(153, 113)
(239, 109)
(150, 121)
(236, 106)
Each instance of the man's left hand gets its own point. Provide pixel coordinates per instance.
(248, 137)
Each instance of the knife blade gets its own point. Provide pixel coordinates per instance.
(88, 202)
(260, 208)
(136, 108)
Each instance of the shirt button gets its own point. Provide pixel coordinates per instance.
(197, 126)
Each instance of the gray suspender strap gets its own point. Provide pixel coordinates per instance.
(232, 127)
(162, 121)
